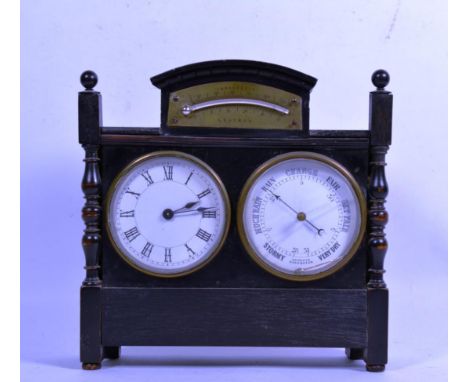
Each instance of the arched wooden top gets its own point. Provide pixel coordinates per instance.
(235, 70)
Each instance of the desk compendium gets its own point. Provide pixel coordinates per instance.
(234, 224)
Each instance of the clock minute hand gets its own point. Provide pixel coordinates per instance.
(199, 209)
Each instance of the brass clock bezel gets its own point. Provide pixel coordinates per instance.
(176, 154)
(269, 164)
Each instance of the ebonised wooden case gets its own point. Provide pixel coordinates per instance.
(232, 301)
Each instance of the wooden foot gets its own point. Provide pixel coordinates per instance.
(90, 322)
(111, 352)
(375, 368)
(375, 354)
(91, 366)
(354, 353)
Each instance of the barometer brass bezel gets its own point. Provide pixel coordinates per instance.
(176, 154)
(269, 164)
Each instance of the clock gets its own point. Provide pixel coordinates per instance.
(168, 213)
(299, 262)
(301, 216)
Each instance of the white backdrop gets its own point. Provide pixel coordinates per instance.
(339, 42)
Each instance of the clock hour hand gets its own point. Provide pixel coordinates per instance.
(168, 213)
(187, 206)
(301, 216)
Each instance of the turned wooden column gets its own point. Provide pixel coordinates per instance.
(380, 120)
(377, 217)
(89, 121)
(91, 214)
(380, 140)
(89, 132)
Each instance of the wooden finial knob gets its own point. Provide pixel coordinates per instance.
(380, 78)
(89, 79)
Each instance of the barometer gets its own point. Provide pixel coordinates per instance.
(301, 216)
(241, 105)
(299, 262)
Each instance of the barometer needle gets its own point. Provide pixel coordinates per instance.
(282, 201)
(319, 230)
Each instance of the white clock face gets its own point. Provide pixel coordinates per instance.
(168, 214)
(301, 216)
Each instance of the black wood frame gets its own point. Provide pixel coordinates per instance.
(232, 302)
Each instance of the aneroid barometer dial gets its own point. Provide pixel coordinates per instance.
(235, 104)
(168, 213)
(301, 216)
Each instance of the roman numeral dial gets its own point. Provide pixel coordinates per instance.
(168, 214)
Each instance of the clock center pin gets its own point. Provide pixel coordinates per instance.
(168, 214)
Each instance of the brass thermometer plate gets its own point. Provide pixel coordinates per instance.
(235, 104)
